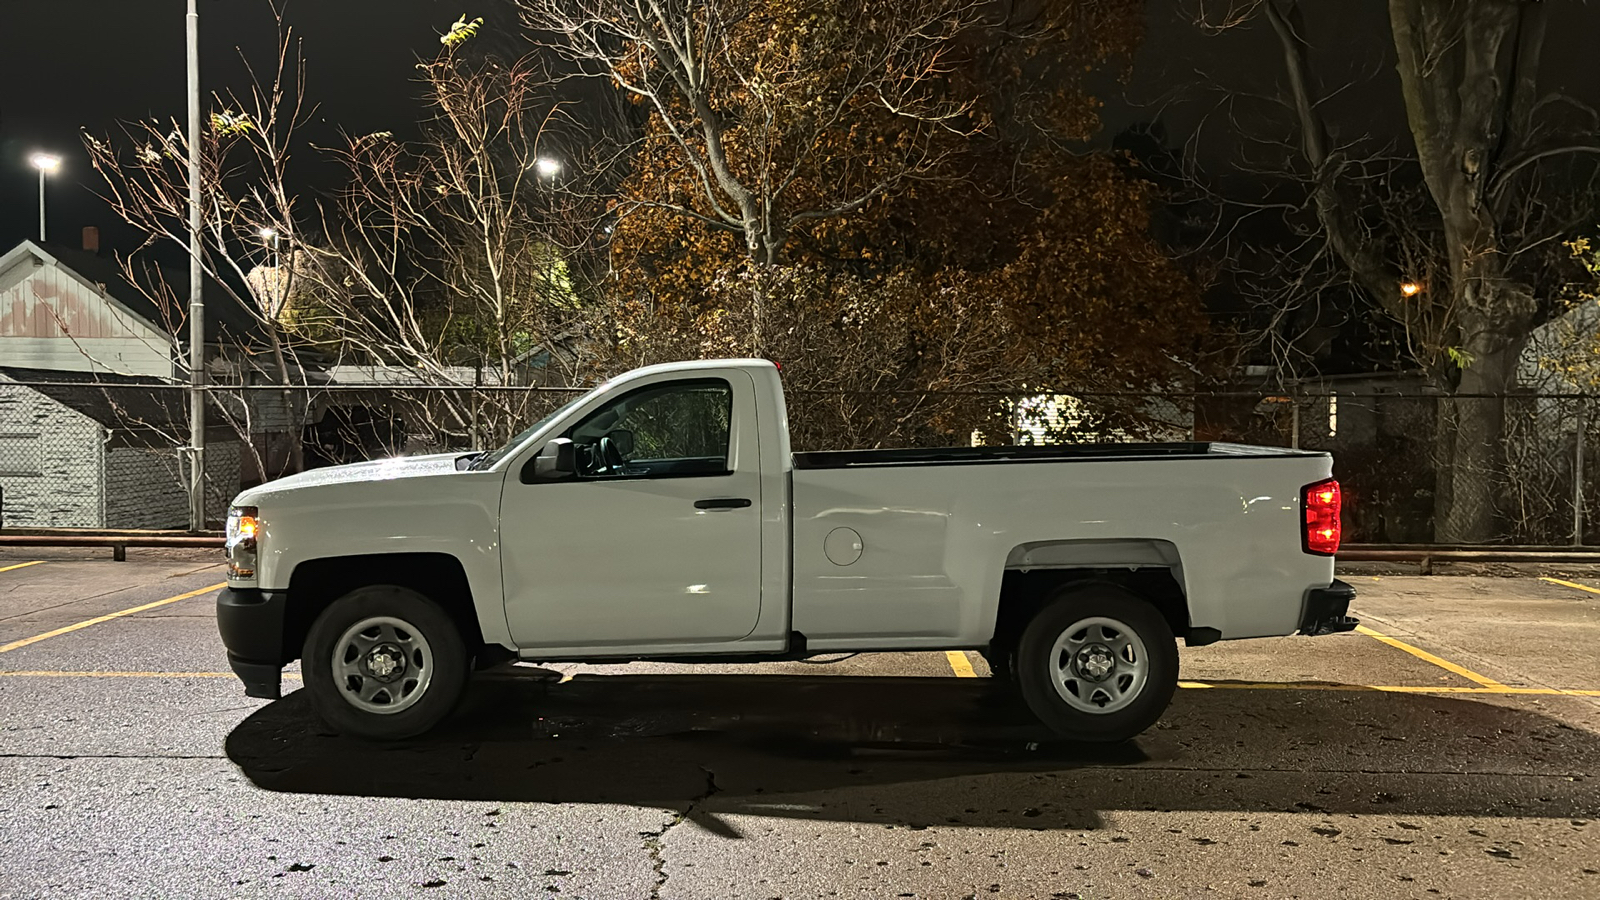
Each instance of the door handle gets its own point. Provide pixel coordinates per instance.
(721, 504)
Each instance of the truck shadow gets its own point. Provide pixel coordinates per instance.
(937, 751)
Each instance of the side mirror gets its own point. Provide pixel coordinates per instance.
(556, 462)
(623, 438)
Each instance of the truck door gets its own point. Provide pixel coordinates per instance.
(657, 540)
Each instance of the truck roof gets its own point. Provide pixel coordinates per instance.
(694, 365)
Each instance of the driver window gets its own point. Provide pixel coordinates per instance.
(676, 428)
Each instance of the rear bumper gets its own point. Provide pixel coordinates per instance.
(251, 624)
(1326, 610)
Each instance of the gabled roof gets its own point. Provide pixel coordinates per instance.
(225, 318)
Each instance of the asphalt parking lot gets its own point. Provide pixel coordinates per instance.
(1450, 749)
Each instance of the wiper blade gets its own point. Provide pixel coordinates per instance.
(469, 461)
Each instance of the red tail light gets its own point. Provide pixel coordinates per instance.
(1321, 503)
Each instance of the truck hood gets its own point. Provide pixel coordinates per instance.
(354, 473)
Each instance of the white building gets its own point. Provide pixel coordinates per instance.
(102, 456)
(106, 455)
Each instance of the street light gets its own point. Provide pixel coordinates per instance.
(547, 167)
(47, 164)
(1410, 288)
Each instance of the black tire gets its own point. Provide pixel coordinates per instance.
(1135, 708)
(421, 639)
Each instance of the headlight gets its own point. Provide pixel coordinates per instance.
(243, 525)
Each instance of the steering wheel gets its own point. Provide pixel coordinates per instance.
(609, 457)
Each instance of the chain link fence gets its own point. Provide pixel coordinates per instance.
(1416, 468)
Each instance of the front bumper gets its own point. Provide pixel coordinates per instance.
(251, 624)
(1325, 610)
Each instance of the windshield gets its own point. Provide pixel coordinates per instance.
(489, 459)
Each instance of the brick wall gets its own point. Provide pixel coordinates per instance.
(49, 463)
(146, 488)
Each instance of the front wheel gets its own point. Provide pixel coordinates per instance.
(384, 663)
(1097, 664)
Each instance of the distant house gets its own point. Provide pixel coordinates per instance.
(71, 315)
(67, 309)
(1559, 358)
(103, 456)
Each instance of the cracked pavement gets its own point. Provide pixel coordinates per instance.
(131, 766)
(653, 840)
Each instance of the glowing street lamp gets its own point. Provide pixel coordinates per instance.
(47, 164)
(547, 167)
(1409, 288)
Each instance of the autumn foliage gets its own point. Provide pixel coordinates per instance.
(937, 249)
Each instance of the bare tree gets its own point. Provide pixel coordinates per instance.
(458, 251)
(1506, 171)
(447, 255)
(246, 149)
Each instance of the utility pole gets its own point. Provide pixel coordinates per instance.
(197, 312)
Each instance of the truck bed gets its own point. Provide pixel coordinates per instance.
(954, 456)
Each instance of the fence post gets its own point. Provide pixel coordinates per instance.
(1577, 473)
(477, 385)
(1294, 421)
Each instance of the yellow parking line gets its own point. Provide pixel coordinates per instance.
(14, 645)
(1570, 584)
(54, 674)
(22, 565)
(1425, 656)
(1386, 688)
(960, 664)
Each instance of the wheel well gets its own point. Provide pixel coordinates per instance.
(316, 583)
(1022, 593)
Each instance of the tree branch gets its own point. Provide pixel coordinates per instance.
(1504, 176)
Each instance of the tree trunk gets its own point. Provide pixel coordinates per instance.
(1492, 319)
(1471, 451)
(297, 459)
(1458, 82)
(765, 250)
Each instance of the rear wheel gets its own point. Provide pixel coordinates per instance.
(1097, 664)
(384, 662)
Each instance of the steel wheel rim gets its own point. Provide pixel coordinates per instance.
(382, 665)
(1099, 665)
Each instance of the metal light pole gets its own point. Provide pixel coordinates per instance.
(197, 331)
(47, 164)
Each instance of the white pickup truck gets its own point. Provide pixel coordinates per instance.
(662, 516)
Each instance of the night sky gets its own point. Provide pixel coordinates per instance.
(90, 63)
